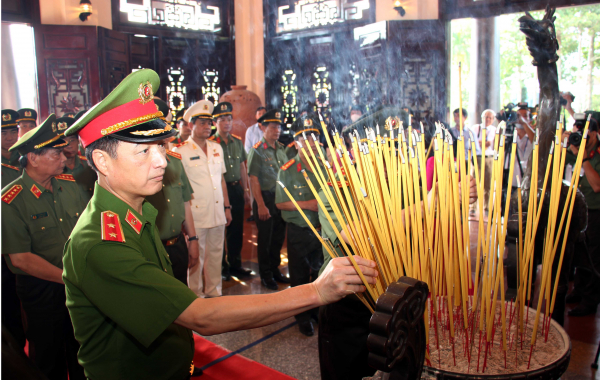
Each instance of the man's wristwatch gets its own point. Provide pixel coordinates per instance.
(193, 238)
(227, 207)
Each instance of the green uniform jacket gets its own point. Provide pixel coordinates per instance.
(122, 296)
(85, 177)
(264, 163)
(293, 179)
(327, 231)
(11, 169)
(39, 221)
(591, 197)
(170, 201)
(234, 154)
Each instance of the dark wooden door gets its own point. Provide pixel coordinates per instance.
(114, 58)
(67, 64)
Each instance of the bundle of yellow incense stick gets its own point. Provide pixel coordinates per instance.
(379, 190)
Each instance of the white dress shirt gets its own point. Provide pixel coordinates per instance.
(253, 135)
(205, 172)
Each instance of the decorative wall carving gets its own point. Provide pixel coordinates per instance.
(68, 85)
(289, 92)
(211, 90)
(306, 14)
(176, 90)
(321, 86)
(181, 14)
(418, 84)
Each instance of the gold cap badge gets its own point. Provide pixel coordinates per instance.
(224, 107)
(308, 123)
(278, 115)
(28, 113)
(5, 117)
(145, 92)
(62, 126)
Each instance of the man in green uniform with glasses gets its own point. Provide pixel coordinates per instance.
(132, 318)
(304, 248)
(236, 178)
(39, 212)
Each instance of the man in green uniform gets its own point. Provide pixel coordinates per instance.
(10, 135)
(183, 128)
(304, 248)
(76, 165)
(39, 212)
(175, 213)
(131, 316)
(11, 306)
(264, 161)
(238, 192)
(27, 120)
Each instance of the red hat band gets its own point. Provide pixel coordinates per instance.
(121, 117)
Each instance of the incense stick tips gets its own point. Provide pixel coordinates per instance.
(281, 184)
(364, 193)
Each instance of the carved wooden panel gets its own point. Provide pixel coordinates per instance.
(452, 9)
(68, 72)
(114, 58)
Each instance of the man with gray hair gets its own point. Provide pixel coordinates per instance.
(487, 123)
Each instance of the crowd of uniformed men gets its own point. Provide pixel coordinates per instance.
(210, 176)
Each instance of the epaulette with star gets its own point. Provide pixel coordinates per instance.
(10, 167)
(174, 154)
(182, 144)
(212, 138)
(291, 144)
(236, 136)
(111, 227)
(257, 145)
(288, 164)
(65, 177)
(11, 194)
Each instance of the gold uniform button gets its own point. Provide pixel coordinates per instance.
(165, 269)
(76, 214)
(299, 193)
(43, 228)
(215, 188)
(168, 200)
(217, 201)
(60, 219)
(172, 216)
(196, 206)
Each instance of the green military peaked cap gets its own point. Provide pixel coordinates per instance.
(179, 115)
(9, 119)
(222, 109)
(46, 135)
(164, 108)
(27, 114)
(308, 123)
(272, 116)
(63, 123)
(79, 114)
(128, 113)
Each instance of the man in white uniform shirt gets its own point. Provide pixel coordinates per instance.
(487, 123)
(204, 164)
(254, 134)
(524, 149)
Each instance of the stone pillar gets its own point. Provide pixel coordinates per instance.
(485, 66)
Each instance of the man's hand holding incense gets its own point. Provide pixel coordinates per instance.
(340, 278)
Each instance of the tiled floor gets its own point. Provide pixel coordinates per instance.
(296, 355)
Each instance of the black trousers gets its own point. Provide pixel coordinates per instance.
(178, 253)
(343, 332)
(234, 233)
(587, 283)
(11, 306)
(305, 256)
(271, 234)
(52, 344)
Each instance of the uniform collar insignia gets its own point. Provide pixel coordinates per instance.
(134, 222)
(36, 191)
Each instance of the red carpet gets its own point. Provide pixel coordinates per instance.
(235, 368)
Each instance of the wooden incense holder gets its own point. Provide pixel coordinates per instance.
(397, 340)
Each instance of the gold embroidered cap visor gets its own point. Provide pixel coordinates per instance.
(45, 135)
(128, 113)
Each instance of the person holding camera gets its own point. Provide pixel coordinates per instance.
(586, 291)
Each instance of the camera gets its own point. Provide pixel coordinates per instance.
(575, 138)
(510, 117)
